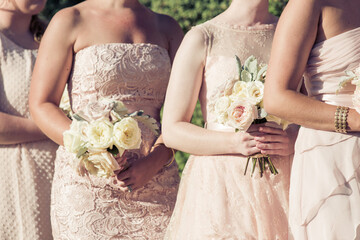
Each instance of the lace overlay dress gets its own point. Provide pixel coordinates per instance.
(215, 199)
(85, 208)
(26, 169)
(325, 180)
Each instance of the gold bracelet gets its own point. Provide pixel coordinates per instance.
(172, 157)
(340, 119)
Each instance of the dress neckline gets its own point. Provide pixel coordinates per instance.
(15, 44)
(117, 43)
(259, 27)
(333, 38)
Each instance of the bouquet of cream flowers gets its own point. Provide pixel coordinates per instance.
(102, 131)
(352, 77)
(240, 104)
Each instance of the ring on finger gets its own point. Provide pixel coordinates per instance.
(129, 188)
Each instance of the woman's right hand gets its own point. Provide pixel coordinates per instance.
(275, 141)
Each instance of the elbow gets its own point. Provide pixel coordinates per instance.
(269, 105)
(33, 107)
(166, 135)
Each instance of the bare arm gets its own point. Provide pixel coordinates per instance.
(14, 130)
(50, 75)
(181, 98)
(295, 35)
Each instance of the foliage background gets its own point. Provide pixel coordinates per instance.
(188, 13)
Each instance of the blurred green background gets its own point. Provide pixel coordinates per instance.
(188, 13)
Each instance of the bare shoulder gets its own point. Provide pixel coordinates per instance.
(67, 21)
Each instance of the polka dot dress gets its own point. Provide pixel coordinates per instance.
(26, 170)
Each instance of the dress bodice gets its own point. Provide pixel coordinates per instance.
(16, 65)
(136, 74)
(327, 64)
(223, 42)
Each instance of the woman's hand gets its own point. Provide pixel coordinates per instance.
(275, 141)
(144, 169)
(245, 141)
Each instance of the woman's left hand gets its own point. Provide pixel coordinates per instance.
(143, 170)
(276, 141)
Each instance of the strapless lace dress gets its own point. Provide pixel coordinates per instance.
(215, 199)
(94, 208)
(325, 177)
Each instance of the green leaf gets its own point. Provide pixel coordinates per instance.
(245, 76)
(238, 61)
(248, 62)
(149, 122)
(253, 68)
(262, 113)
(81, 152)
(114, 151)
(78, 117)
(261, 74)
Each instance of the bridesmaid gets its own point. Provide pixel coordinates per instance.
(115, 49)
(26, 154)
(215, 199)
(321, 38)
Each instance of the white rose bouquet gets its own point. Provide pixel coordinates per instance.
(240, 104)
(352, 77)
(100, 133)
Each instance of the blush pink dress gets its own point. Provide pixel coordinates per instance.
(92, 208)
(26, 169)
(325, 180)
(215, 199)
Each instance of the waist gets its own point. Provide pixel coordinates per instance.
(336, 99)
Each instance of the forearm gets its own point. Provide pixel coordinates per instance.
(51, 120)
(195, 140)
(301, 110)
(14, 130)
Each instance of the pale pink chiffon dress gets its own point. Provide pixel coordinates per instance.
(325, 180)
(215, 199)
(92, 208)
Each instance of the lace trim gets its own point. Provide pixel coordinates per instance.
(260, 27)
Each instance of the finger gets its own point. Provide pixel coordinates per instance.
(271, 130)
(123, 175)
(272, 138)
(271, 146)
(251, 151)
(276, 152)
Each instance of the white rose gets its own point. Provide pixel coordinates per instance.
(255, 92)
(101, 164)
(100, 134)
(241, 114)
(221, 106)
(240, 89)
(73, 138)
(127, 134)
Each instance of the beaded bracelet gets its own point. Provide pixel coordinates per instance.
(340, 119)
(171, 160)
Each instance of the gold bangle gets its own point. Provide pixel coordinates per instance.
(340, 119)
(171, 160)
